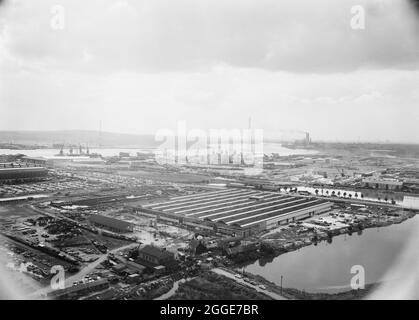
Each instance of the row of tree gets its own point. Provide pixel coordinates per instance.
(334, 193)
(345, 194)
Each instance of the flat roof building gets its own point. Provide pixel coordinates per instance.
(21, 174)
(384, 184)
(152, 256)
(111, 224)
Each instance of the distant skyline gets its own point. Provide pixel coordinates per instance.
(139, 66)
(292, 136)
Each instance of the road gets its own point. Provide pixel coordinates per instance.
(83, 272)
(91, 266)
(227, 274)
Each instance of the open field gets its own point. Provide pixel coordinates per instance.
(211, 286)
(16, 211)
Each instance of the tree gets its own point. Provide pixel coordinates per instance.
(344, 194)
(316, 192)
(338, 193)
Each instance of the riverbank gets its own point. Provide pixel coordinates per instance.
(295, 294)
(328, 267)
(296, 236)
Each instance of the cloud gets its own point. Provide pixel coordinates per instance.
(370, 105)
(15, 285)
(162, 35)
(404, 283)
(142, 65)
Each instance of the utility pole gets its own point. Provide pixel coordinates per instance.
(100, 133)
(281, 283)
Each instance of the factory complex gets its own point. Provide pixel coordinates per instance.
(10, 174)
(238, 211)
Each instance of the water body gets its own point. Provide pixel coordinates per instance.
(327, 267)
(269, 148)
(108, 152)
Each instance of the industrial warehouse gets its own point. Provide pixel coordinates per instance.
(15, 174)
(239, 211)
(112, 224)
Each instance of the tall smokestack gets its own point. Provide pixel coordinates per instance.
(100, 133)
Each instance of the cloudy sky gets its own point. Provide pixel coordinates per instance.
(139, 66)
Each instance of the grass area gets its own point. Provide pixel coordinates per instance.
(17, 211)
(347, 295)
(295, 294)
(211, 286)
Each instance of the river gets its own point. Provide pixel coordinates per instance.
(48, 153)
(108, 152)
(327, 267)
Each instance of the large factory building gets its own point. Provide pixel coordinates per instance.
(238, 211)
(111, 224)
(10, 174)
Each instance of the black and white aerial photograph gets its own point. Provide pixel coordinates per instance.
(209, 155)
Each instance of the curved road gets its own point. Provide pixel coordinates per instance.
(227, 274)
(83, 272)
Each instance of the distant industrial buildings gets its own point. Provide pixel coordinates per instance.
(62, 159)
(35, 161)
(236, 211)
(307, 139)
(111, 224)
(383, 184)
